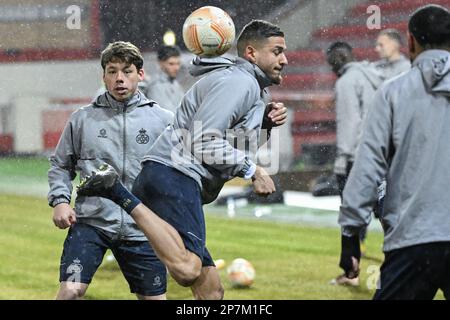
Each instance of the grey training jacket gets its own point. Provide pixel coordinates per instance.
(390, 69)
(165, 91)
(406, 140)
(112, 132)
(355, 89)
(225, 106)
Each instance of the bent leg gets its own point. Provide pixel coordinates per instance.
(184, 266)
(172, 218)
(208, 286)
(170, 214)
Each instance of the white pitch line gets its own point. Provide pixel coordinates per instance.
(307, 200)
(297, 199)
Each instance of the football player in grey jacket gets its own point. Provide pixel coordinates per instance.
(355, 89)
(211, 141)
(393, 62)
(405, 140)
(118, 128)
(164, 87)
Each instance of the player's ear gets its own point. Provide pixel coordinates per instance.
(141, 74)
(250, 53)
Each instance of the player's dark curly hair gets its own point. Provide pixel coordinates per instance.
(339, 54)
(121, 51)
(256, 30)
(339, 45)
(430, 26)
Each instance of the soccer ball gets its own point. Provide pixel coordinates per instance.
(208, 31)
(241, 273)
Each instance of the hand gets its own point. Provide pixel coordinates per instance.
(262, 183)
(350, 255)
(277, 113)
(64, 216)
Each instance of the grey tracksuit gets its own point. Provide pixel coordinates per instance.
(390, 69)
(405, 139)
(105, 131)
(165, 91)
(355, 89)
(224, 106)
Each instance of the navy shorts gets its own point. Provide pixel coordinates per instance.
(175, 198)
(83, 253)
(415, 272)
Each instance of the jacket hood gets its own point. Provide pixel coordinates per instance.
(200, 66)
(434, 66)
(106, 100)
(374, 76)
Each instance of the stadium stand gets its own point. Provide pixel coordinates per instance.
(308, 85)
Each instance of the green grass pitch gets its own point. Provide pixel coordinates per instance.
(292, 261)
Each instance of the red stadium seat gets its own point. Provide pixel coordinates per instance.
(308, 84)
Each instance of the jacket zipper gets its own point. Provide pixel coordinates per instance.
(124, 117)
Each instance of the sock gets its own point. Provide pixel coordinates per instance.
(124, 198)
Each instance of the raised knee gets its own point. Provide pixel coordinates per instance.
(208, 291)
(185, 275)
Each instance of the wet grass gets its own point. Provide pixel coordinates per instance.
(291, 262)
(30, 167)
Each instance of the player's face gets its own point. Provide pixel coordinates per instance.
(270, 57)
(121, 79)
(386, 47)
(171, 66)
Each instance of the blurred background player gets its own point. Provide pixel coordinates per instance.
(164, 87)
(406, 140)
(119, 128)
(393, 62)
(355, 87)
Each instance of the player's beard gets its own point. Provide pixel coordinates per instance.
(277, 79)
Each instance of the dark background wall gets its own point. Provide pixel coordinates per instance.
(144, 22)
